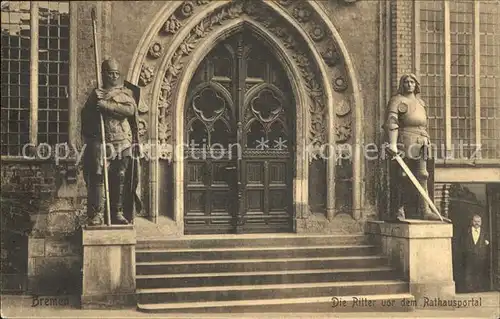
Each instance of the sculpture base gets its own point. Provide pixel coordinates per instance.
(421, 251)
(108, 267)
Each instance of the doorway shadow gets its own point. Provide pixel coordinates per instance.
(467, 200)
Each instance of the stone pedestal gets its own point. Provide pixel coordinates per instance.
(421, 251)
(108, 267)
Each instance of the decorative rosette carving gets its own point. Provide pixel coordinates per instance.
(186, 9)
(339, 84)
(317, 33)
(302, 13)
(155, 50)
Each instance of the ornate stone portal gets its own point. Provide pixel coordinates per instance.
(328, 105)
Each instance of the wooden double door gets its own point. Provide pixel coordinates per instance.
(239, 142)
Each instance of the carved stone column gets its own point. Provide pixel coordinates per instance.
(442, 197)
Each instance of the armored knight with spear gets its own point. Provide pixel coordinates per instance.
(109, 122)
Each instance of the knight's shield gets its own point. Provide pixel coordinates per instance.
(135, 90)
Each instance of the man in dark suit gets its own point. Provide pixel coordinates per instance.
(475, 257)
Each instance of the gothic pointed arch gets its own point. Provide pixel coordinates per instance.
(322, 75)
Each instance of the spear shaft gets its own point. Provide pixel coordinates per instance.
(103, 136)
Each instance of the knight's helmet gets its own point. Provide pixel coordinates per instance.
(110, 65)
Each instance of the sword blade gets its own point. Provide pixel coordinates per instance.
(415, 183)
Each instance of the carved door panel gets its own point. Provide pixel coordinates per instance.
(267, 200)
(266, 161)
(210, 193)
(242, 109)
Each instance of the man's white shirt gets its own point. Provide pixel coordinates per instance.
(475, 234)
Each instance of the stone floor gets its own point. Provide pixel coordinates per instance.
(67, 307)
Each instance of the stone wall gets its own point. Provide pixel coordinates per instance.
(53, 197)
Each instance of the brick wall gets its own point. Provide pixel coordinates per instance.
(400, 36)
(52, 197)
(402, 40)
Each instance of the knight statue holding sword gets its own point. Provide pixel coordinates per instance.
(409, 143)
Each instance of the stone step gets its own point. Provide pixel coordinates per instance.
(143, 255)
(253, 240)
(263, 277)
(244, 292)
(360, 303)
(248, 265)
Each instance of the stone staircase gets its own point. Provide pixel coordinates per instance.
(266, 273)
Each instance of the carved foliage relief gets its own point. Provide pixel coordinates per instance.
(178, 59)
(317, 104)
(157, 48)
(303, 14)
(320, 34)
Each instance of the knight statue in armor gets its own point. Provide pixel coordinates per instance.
(406, 128)
(117, 101)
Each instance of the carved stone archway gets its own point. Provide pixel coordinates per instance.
(300, 33)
